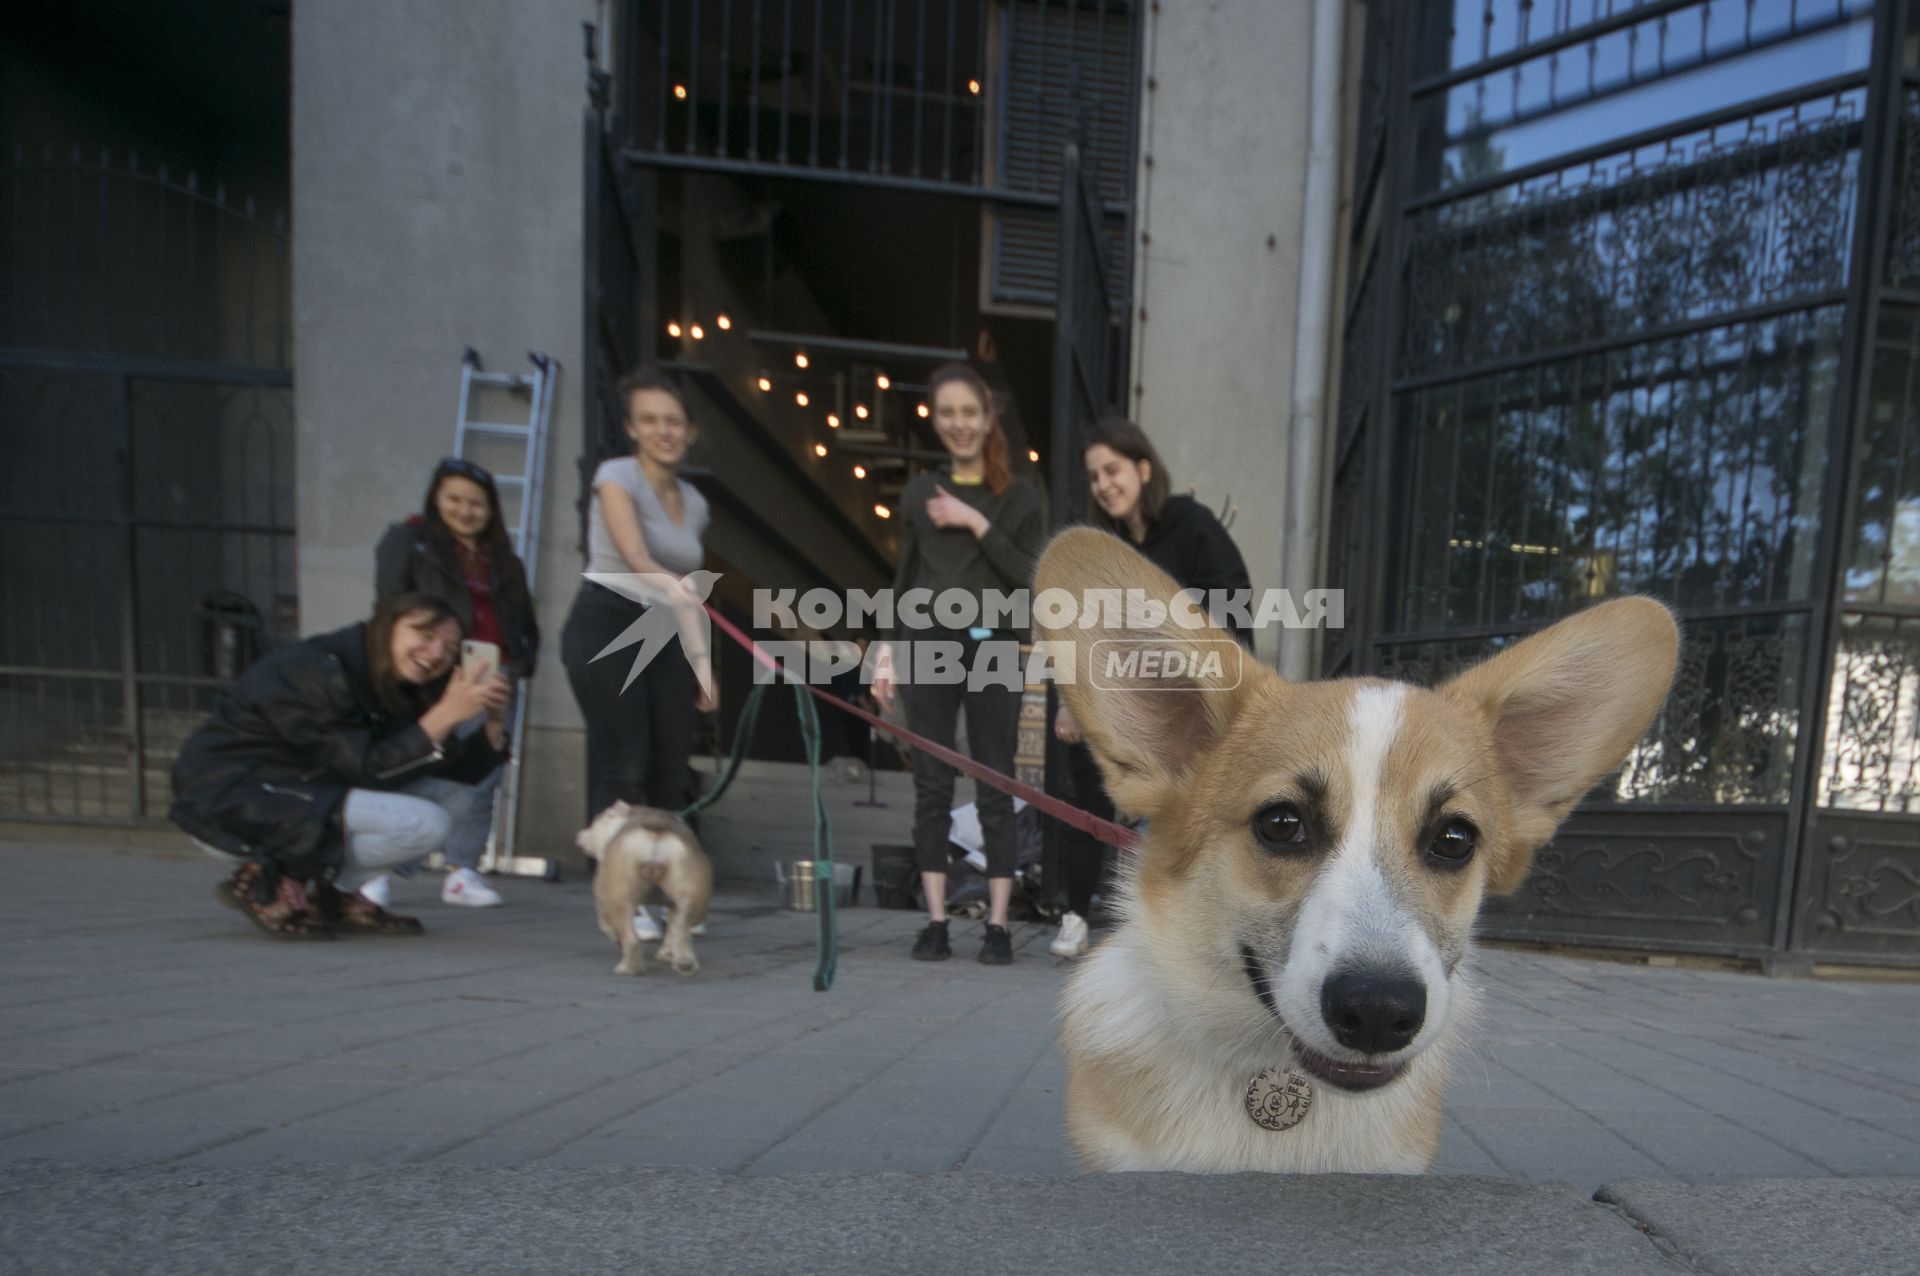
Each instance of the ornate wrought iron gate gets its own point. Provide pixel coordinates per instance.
(146, 500)
(1629, 312)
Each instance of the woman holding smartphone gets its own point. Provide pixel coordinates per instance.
(457, 550)
(336, 759)
(970, 526)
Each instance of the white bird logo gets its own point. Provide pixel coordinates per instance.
(655, 627)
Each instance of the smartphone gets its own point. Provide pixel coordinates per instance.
(481, 660)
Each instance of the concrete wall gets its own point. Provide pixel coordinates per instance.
(1222, 171)
(437, 197)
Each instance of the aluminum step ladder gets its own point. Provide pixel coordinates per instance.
(515, 452)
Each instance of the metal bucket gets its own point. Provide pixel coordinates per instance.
(798, 884)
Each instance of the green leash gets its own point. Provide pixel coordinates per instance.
(828, 946)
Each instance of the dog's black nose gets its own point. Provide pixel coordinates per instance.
(1372, 1010)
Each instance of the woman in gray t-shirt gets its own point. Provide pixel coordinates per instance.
(645, 520)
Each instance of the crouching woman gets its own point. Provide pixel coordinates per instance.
(336, 759)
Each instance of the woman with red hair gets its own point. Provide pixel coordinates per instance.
(966, 527)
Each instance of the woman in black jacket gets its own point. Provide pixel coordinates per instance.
(335, 759)
(1130, 489)
(457, 550)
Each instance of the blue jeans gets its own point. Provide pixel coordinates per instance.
(469, 808)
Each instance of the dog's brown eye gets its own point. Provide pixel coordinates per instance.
(1455, 842)
(1279, 827)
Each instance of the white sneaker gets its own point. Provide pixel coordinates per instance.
(698, 930)
(1072, 939)
(645, 929)
(468, 889)
(378, 890)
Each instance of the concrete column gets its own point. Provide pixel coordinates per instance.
(437, 203)
(1222, 168)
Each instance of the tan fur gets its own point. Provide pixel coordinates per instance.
(1162, 1025)
(640, 849)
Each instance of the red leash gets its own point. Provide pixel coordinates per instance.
(1104, 830)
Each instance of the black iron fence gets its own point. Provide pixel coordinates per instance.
(1627, 315)
(875, 87)
(925, 92)
(146, 501)
(115, 256)
(962, 97)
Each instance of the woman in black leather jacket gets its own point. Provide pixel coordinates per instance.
(335, 759)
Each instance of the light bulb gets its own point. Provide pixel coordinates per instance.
(1033, 456)
(801, 398)
(764, 384)
(883, 511)
(697, 332)
(833, 421)
(819, 449)
(922, 410)
(673, 330)
(680, 91)
(860, 410)
(973, 86)
(724, 322)
(859, 471)
(800, 360)
(883, 382)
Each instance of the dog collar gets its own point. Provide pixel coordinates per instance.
(1278, 1098)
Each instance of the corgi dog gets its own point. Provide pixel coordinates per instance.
(1290, 972)
(640, 848)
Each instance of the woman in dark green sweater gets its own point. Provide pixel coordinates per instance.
(965, 528)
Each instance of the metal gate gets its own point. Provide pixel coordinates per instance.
(1087, 363)
(1085, 354)
(1626, 315)
(146, 501)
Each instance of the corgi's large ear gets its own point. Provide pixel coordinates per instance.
(1566, 706)
(1152, 686)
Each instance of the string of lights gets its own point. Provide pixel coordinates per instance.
(869, 389)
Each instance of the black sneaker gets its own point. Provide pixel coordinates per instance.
(998, 948)
(932, 944)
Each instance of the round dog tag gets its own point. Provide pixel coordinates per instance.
(1278, 1098)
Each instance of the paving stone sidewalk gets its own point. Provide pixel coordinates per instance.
(143, 1025)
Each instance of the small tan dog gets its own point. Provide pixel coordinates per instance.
(639, 848)
(1293, 966)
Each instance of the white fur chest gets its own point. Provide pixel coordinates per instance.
(1156, 1084)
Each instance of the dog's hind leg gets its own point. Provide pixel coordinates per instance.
(605, 915)
(678, 946)
(689, 884)
(614, 893)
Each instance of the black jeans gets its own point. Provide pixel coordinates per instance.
(1082, 854)
(638, 740)
(993, 723)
